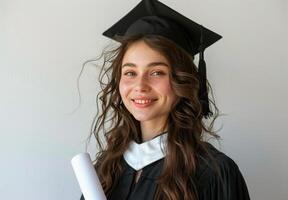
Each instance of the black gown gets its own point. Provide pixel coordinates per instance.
(230, 185)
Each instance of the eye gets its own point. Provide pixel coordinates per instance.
(158, 73)
(129, 73)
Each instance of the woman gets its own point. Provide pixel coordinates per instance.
(155, 101)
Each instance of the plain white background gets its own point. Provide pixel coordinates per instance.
(44, 43)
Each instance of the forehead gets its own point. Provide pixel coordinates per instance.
(141, 53)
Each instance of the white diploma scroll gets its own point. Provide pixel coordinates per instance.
(87, 178)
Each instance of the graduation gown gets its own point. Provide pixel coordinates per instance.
(230, 185)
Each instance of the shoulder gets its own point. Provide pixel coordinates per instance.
(213, 163)
(218, 175)
(214, 155)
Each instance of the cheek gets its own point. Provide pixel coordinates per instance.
(165, 89)
(123, 88)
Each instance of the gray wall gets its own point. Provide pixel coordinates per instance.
(44, 43)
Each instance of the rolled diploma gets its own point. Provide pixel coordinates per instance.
(87, 178)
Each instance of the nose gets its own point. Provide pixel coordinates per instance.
(142, 84)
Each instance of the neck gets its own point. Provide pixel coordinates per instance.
(151, 129)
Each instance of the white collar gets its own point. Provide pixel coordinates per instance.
(140, 155)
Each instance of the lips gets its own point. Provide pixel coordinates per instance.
(143, 102)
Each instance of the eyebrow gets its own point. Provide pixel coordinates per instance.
(152, 64)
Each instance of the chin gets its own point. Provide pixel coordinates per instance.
(141, 118)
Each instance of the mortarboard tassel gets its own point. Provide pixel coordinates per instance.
(203, 94)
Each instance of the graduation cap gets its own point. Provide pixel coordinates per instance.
(151, 17)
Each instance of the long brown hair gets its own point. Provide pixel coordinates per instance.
(186, 124)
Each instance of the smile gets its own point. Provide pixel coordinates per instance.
(139, 101)
(143, 102)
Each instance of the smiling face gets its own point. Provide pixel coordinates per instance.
(145, 86)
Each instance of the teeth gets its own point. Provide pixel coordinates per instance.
(139, 101)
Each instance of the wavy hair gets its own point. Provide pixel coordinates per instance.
(186, 124)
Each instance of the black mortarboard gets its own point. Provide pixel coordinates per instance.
(151, 17)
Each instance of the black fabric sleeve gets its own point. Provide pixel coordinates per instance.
(229, 184)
